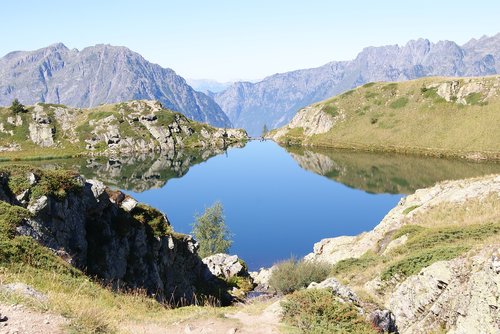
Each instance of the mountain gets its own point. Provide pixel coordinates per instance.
(96, 75)
(275, 100)
(208, 86)
(435, 116)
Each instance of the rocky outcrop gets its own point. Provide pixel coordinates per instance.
(98, 75)
(109, 235)
(343, 292)
(139, 126)
(333, 250)
(460, 296)
(275, 100)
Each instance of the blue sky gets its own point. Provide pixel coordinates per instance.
(236, 39)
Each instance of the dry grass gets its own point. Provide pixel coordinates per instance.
(377, 119)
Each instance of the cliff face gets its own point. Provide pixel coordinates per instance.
(96, 75)
(275, 100)
(131, 127)
(105, 233)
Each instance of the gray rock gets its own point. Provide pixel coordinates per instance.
(24, 290)
(38, 205)
(96, 75)
(224, 265)
(275, 100)
(338, 289)
(384, 321)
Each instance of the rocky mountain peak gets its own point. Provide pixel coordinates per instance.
(99, 74)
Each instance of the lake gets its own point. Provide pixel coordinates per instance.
(277, 203)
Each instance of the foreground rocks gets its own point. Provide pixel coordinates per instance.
(224, 265)
(460, 295)
(109, 236)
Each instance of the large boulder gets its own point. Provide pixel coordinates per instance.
(224, 265)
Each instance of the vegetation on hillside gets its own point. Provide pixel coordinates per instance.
(292, 275)
(412, 117)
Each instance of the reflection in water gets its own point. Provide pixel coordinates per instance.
(135, 173)
(386, 173)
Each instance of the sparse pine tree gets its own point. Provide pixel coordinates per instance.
(17, 107)
(211, 231)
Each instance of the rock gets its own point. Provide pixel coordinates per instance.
(384, 321)
(339, 290)
(128, 204)
(461, 293)
(96, 234)
(97, 187)
(261, 278)
(38, 205)
(224, 265)
(24, 290)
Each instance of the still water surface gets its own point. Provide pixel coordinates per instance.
(277, 203)
(274, 208)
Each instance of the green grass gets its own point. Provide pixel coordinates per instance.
(410, 209)
(399, 103)
(475, 99)
(331, 110)
(293, 274)
(318, 311)
(409, 118)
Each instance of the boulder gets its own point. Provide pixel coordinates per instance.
(384, 321)
(338, 289)
(224, 265)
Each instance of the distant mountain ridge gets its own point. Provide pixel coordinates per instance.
(275, 100)
(96, 75)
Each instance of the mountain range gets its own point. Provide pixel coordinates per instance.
(275, 100)
(99, 74)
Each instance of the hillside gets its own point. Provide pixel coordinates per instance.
(430, 116)
(49, 130)
(275, 100)
(96, 75)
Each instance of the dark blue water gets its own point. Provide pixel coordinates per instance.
(274, 208)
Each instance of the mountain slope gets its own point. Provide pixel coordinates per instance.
(432, 116)
(275, 100)
(96, 75)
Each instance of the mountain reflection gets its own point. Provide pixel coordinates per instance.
(386, 173)
(135, 173)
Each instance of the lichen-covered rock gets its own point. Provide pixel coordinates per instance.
(384, 321)
(461, 294)
(338, 289)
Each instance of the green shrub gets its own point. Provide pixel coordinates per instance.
(475, 99)
(330, 109)
(352, 264)
(399, 103)
(318, 311)
(412, 264)
(152, 217)
(291, 275)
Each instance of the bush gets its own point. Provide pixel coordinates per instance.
(17, 107)
(318, 311)
(291, 275)
(211, 231)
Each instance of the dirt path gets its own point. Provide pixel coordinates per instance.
(21, 320)
(240, 322)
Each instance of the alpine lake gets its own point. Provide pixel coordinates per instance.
(277, 201)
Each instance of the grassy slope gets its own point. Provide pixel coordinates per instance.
(443, 232)
(405, 117)
(66, 146)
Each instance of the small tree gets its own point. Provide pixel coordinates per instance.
(211, 231)
(265, 130)
(17, 107)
